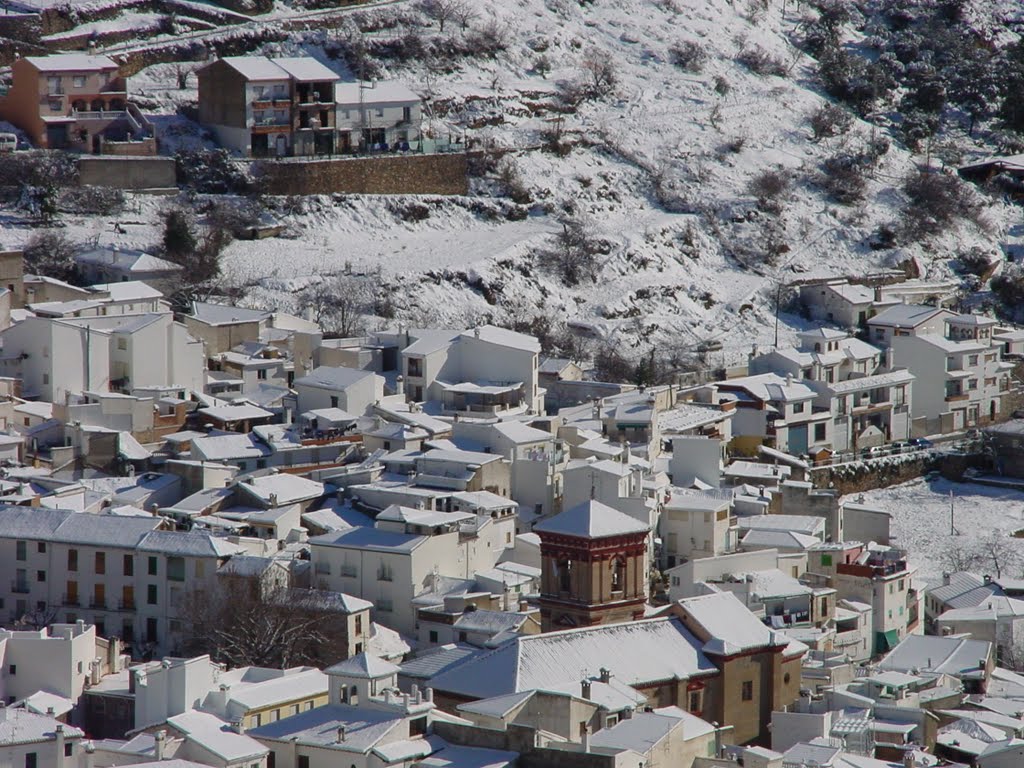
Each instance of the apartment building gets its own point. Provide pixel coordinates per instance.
(262, 107)
(695, 525)
(485, 371)
(377, 116)
(880, 577)
(56, 358)
(76, 101)
(774, 410)
(960, 378)
(123, 574)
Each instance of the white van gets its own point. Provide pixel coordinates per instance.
(8, 142)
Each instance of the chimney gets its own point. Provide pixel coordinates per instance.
(238, 726)
(341, 734)
(585, 688)
(908, 757)
(476, 332)
(160, 742)
(988, 579)
(273, 501)
(606, 675)
(428, 695)
(789, 379)
(945, 579)
(889, 358)
(627, 713)
(400, 385)
(60, 739)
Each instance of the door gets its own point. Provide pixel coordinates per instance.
(281, 146)
(259, 145)
(798, 440)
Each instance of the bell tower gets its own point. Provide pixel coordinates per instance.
(593, 567)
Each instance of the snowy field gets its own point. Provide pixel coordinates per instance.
(920, 520)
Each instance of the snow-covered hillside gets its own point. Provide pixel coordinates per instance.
(658, 169)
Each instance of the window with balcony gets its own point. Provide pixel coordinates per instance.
(176, 568)
(414, 366)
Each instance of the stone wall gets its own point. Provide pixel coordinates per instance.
(861, 476)
(393, 175)
(127, 172)
(24, 27)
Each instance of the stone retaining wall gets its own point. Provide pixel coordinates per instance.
(390, 175)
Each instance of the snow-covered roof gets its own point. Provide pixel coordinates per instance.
(71, 527)
(767, 539)
(226, 447)
(364, 728)
(255, 67)
(806, 524)
(285, 687)
(636, 652)
(370, 539)
(221, 314)
(71, 62)
(365, 666)
(188, 544)
(433, 662)
(504, 337)
(306, 68)
(929, 653)
(490, 622)
(333, 378)
(905, 315)
(727, 620)
(20, 726)
(770, 387)
(380, 92)
(282, 488)
(592, 520)
(129, 290)
(213, 734)
(229, 413)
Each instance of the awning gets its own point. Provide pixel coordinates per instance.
(886, 641)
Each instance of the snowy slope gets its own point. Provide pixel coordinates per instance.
(668, 277)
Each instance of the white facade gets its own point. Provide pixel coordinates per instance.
(56, 358)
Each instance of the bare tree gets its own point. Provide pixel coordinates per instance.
(995, 551)
(43, 615)
(247, 622)
(441, 11)
(960, 555)
(340, 304)
(181, 73)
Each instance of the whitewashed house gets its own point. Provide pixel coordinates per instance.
(348, 389)
(374, 114)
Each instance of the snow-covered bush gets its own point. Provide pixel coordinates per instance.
(688, 56)
(829, 120)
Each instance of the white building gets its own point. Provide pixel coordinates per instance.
(60, 357)
(348, 389)
(373, 114)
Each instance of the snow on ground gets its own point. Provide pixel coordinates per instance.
(920, 519)
(669, 277)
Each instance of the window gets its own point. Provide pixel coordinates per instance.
(72, 559)
(67, 749)
(359, 625)
(200, 569)
(414, 366)
(12, 669)
(824, 606)
(55, 105)
(303, 761)
(972, 384)
(261, 374)
(128, 565)
(972, 360)
(695, 701)
(151, 566)
(151, 594)
(565, 575)
(40, 575)
(826, 561)
(379, 111)
(151, 633)
(901, 584)
(748, 690)
(334, 401)
(78, 81)
(20, 550)
(46, 380)
(176, 569)
(618, 574)
(30, 760)
(819, 432)
(407, 114)
(798, 407)
(433, 635)
(101, 563)
(385, 605)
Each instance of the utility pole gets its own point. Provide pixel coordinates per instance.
(778, 298)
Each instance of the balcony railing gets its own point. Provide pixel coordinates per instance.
(20, 587)
(72, 600)
(99, 604)
(957, 397)
(126, 605)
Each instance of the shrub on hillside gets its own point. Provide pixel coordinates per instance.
(688, 56)
(760, 62)
(829, 120)
(935, 200)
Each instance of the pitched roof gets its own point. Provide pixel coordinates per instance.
(637, 652)
(221, 314)
(255, 67)
(591, 520)
(365, 666)
(724, 618)
(364, 728)
(20, 726)
(949, 655)
(306, 68)
(905, 315)
(331, 377)
(216, 736)
(70, 62)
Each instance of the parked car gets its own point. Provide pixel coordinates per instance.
(874, 452)
(921, 443)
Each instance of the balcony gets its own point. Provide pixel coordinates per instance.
(20, 587)
(846, 639)
(957, 397)
(126, 605)
(71, 600)
(98, 603)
